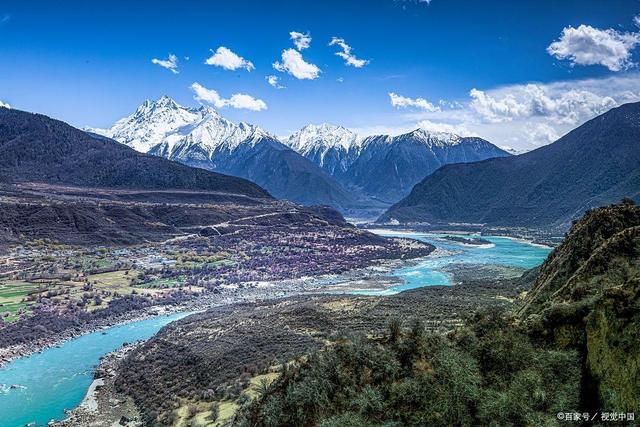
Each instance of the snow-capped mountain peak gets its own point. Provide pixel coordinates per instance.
(164, 125)
(151, 123)
(331, 147)
(433, 138)
(205, 110)
(322, 137)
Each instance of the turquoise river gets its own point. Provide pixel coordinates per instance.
(38, 388)
(501, 251)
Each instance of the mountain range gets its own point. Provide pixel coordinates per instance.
(36, 148)
(322, 164)
(596, 164)
(202, 138)
(62, 184)
(386, 167)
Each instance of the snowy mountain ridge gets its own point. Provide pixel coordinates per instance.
(202, 138)
(319, 164)
(164, 125)
(325, 135)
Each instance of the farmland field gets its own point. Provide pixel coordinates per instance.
(12, 298)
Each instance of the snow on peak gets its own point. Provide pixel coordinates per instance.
(322, 137)
(423, 136)
(166, 124)
(433, 138)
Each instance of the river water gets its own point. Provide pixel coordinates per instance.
(502, 251)
(38, 388)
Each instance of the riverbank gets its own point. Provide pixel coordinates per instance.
(376, 279)
(12, 353)
(102, 405)
(381, 277)
(532, 237)
(532, 242)
(206, 358)
(269, 322)
(70, 367)
(244, 292)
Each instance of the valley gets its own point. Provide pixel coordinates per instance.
(174, 276)
(481, 338)
(196, 299)
(319, 213)
(50, 286)
(319, 164)
(155, 276)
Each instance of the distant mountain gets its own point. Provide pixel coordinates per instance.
(596, 164)
(36, 148)
(202, 138)
(333, 148)
(386, 167)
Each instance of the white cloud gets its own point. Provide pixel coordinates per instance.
(636, 21)
(458, 129)
(586, 45)
(247, 102)
(227, 59)
(496, 110)
(171, 63)
(560, 105)
(209, 96)
(300, 40)
(541, 134)
(449, 104)
(400, 101)
(238, 100)
(522, 116)
(349, 58)
(4, 104)
(274, 81)
(531, 115)
(294, 64)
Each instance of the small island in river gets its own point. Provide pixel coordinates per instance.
(475, 241)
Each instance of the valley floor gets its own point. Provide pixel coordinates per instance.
(267, 267)
(50, 292)
(374, 277)
(269, 332)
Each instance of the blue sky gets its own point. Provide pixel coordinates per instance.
(90, 62)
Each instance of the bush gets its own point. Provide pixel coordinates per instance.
(488, 373)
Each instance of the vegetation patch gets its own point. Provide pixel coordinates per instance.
(13, 298)
(487, 373)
